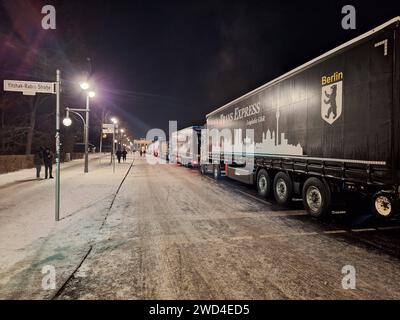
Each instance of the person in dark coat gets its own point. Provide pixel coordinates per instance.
(119, 155)
(124, 154)
(38, 161)
(48, 158)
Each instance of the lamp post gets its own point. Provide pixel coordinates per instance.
(103, 118)
(85, 86)
(115, 122)
(67, 122)
(120, 138)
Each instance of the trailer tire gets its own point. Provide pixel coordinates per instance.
(316, 198)
(283, 189)
(216, 171)
(264, 183)
(203, 170)
(383, 205)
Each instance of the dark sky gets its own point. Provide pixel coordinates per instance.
(178, 60)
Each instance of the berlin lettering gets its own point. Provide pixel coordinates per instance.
(337, 76)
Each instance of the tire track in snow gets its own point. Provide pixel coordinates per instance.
(62, 288)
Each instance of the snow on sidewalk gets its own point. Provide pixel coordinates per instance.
(26, 175)
(30, 238)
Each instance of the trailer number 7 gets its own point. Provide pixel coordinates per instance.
(383, 43)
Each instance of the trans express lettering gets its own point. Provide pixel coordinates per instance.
(241, 113)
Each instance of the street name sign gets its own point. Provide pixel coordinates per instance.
(108, 128)
(29, 88)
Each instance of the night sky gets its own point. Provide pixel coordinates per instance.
(178, 60)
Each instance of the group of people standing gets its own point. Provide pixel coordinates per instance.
(121, 155)
(44, 156)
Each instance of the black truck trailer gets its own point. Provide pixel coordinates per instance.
(326, 131)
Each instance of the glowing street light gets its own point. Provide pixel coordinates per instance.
(85, 86)
(67, 122)
(92, 94)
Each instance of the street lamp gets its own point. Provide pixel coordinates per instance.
(115, 122)
(121, 131)
(85, 86)
(68, 122)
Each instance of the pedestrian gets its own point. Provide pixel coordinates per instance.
(124, 154)
(119, 155)
(143, 151)
(48, 158)
(38, 161)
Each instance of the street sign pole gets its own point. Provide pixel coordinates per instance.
(58, 84)
(31, 88)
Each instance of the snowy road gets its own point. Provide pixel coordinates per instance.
(173, 234)
(166, 232)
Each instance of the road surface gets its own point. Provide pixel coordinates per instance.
(174, 234)
(166, 232)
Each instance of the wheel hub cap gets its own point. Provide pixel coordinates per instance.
(383, 206)
(281, 189)
(314, 199)
(262, 183)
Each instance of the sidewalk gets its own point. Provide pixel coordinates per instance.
(31, 239)
(30, 174)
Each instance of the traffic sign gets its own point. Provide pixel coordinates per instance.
(108, 128)
(29, 87)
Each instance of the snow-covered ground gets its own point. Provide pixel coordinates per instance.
(27, 175)
(168, 232)
(29, 236)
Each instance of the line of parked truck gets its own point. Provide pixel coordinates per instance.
(327, 132)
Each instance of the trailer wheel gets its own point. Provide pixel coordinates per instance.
(264, 183)
(203, 170)
(216, 171)
(283, 189)
(316, 198)
(383, 205)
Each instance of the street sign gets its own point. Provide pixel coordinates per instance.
(29, 88)
(108, 128)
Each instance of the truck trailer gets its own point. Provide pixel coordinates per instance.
(185, 146)
(327, 131)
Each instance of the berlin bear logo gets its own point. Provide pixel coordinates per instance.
(331, 104)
